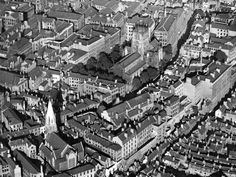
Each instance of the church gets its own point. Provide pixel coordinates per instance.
(60, 155)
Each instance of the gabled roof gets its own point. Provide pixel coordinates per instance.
(78, 147)
(64, 15)
(57, 143)
(9, 77)
(138, 100)
(12, 116)
(127, 60)
(30, 165)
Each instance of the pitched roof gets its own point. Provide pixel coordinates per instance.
(127, 60)
(12, 117)
(57, 143)
(138, 100)
(64, 15)
(81, 169)
(31, 165)
(9, 77)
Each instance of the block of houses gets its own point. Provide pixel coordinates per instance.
(165, 30)
(75, 18)
(29, 166)
(213, 85)
(10, 166)
(11, 119)
(24, 145)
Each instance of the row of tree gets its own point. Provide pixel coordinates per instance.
(146, 76)
(101, 66)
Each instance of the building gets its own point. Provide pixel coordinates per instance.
(127, 139)
(24, 145)
(10, 19)
(172, 104)
(213, 85)
(165, 31)
(223, 29)
(106, 146)
(86, 170)
(60, 155)
(14, 81)
(130, 66)
(11, 120)
(140, 39)
(75, 18)
(112, 35)
(4, 167)
(13, 166)
(136, 20)
(93, 45)
(145, 130)
(131, 109)
(91, 86)
(30, 167)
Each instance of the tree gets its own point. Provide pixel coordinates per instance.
(91, 63)
(220, 56)
(115, 54)
(144, 77)
(136, 83)
(104, 62)
(152, 72)
(79, 68)
(167, 49)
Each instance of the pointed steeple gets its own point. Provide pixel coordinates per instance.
(50, 120)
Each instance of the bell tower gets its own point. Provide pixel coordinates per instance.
(50, 120)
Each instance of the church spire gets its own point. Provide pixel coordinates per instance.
(50, 120)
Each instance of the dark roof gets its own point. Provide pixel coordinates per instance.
(31, 165)
(127, 60)
(64, 15)
(81, 169)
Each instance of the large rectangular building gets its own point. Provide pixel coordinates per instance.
(213, 85)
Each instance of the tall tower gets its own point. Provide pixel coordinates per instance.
(140, 41)
(50, 120)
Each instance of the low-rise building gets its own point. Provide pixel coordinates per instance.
(30, 167)
(165, 30)
(11, 120)
(71, 17)
(25, 146)
(106, 146)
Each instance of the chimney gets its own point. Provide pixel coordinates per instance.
(213, 75)
(139, 124)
